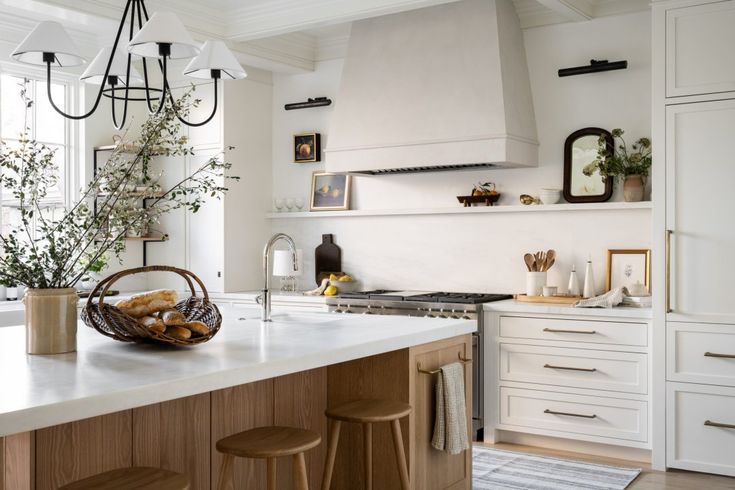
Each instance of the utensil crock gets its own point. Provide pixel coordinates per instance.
(51, 320)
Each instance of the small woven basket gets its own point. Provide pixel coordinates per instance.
(112, 322)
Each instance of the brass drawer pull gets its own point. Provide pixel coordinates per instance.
(552, 412)
(586, 370)
(721, 356)
(718, 424)
(555, 330)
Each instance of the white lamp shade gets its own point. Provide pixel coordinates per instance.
(215, 55)
(48, 37)
(163, 28)
(283, 263)
(96, 70)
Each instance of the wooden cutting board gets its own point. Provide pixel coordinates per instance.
(556, 300)
(327, 258)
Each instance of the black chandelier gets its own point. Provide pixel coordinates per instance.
(162, 37)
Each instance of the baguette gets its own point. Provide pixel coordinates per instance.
(172, 317)
(176, 332)
(140, 305)
(197, 328)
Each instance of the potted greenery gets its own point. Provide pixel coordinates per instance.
(54, 257)
(632, 166)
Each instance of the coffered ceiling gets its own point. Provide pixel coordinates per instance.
(279, 35)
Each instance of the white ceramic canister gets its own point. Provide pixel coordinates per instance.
(535, 282)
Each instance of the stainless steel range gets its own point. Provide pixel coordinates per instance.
(430, 305)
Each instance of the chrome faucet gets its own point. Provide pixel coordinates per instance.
(265, 297)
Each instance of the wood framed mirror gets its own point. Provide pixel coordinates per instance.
(580, 149)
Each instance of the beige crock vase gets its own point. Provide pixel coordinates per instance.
(51, 320)
(633, 188)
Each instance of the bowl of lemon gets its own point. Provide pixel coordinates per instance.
(342, 283)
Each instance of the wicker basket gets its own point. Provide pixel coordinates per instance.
(110, 321)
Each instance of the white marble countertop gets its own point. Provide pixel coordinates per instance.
(513, 306)
(106, 376)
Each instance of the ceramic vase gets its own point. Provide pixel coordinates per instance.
(633, 188)
(51, 320)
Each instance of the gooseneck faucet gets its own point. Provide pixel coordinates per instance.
(265, 297)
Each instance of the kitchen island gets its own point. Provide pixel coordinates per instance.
(114, 405)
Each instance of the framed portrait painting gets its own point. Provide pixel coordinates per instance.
(307, 148)
(627, 267)
(330, 192)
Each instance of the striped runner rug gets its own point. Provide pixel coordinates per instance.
(493, 469)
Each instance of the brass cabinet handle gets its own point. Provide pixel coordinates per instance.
(552, 412)
(719, 424)
(668, 271)
(555, 330)
(586, 370)
(721, 356)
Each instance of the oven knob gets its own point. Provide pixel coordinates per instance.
(338, 309)
(367, 311)
(454, 315)
(347, 309)
(429, 314)
(466, 316)
(441, 313)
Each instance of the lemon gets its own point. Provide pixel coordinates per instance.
(333, 277)
(345, 278)
(330, 291)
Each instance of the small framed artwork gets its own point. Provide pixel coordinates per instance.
(330, 192)
(307, 148)
(627, 267)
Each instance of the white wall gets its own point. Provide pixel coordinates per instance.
(483, 252)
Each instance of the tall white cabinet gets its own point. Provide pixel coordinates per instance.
(694, 318)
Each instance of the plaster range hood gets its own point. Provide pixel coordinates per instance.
(439, 88)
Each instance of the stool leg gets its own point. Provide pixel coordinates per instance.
(400, 454)
(367, 440)
(331, 453)
(271, 469)
(227, 473)
(301, 481)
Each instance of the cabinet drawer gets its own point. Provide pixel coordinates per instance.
(701, 353)
(701, 428)
(574, 414)
(579, 368)
(594, 332)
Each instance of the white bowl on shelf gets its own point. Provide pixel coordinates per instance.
(550, 196)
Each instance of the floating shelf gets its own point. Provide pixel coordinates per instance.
(549, 208)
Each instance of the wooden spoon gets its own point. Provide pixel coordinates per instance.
(530, 262)
(550, 258)
(549, 263)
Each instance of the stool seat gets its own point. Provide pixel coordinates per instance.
(137, 478)
(369, 411)
(269, 442)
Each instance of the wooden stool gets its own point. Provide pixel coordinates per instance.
(367, 412)
(136, 478)
(268, 443)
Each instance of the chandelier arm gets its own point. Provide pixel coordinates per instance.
(113, 101)
(114, 111)
(141, 13)
(104, 78)
(196, 125)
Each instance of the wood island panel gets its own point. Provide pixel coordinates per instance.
(18, 465)
(300, 401)
(175, 436)
(70, 452)
(235, 410)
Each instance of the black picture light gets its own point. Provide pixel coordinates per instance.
(594, 67)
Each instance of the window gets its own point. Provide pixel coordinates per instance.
(46, 126)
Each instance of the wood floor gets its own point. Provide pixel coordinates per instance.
(647, 480)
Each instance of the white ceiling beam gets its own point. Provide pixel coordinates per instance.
(574, 10)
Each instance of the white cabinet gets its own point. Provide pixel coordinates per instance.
(701, 353)
(570, 377)
(700, 171)
(699, 47)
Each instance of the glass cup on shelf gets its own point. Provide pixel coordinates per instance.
(299, 201)
(278, 203)
(289, 204)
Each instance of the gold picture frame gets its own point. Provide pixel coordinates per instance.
(330, 192)
(622, 272)
(307, 148)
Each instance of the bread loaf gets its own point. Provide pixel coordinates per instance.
(152, 323)
(172, 317)
(198, 328)
(176, 332)
(140, 305)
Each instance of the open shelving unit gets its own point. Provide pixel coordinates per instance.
(542, 208)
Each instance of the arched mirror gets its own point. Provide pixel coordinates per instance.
(580, 150)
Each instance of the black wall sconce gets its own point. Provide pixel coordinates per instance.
(594, 67)
(315, 102)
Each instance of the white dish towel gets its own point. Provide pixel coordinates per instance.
(450, 426)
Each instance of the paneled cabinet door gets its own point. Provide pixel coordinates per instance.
(700, 172)
(699, 43)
